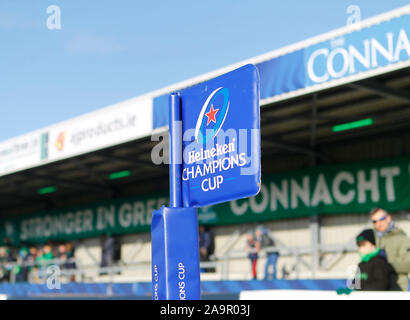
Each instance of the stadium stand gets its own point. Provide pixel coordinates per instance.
(335, 122)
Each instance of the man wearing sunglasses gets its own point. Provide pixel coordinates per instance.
(394, 242)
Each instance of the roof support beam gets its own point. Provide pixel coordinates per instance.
(77, 162)
(367, 133)
(391, 114)
(68, 183)
(266, 118)
(294, 148)
(17, 197)
(381, 90)
(132, 161)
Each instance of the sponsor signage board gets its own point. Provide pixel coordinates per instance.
(325, 190)
(117, 124)
(107, 127)
(22, 152)
(221, 138)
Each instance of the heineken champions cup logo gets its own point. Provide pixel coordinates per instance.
(212, 116)
(217, 145)
(209, 163)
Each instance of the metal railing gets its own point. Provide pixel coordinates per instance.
(39, 272)
(219, 263)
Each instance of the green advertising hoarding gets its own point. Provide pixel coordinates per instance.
(333, 189)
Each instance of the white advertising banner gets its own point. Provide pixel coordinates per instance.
(103, 128)
(97, 130)
(22, 152)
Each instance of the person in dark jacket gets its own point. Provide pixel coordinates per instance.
(206, 246)
(108, 251)
(374, 271)
(266, 242)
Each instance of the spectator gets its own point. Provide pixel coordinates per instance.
(62, 255)
(108, 252)
(31, 259)
(43, 258)
(47, 253)
(32, 254)
(22, 268)
(70, 264)
(38, 264)
(394, 242)
(374, 272)
(253, 248)
(11, 250)
(4, 272)
(70, 256)
(39, 258)
(266, 242)
(206, 245)
(10, 257)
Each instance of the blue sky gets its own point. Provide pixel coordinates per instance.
(110, 51)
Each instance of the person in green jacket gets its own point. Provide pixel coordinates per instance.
(394, 242)
(47, 253)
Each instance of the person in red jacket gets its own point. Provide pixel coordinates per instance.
(253, 247)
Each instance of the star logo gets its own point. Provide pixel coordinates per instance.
(60, 141)
(204, 131)
(211, 115)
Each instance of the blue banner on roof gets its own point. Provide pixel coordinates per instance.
(282, 74)
(160, 109)
(369, 49)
